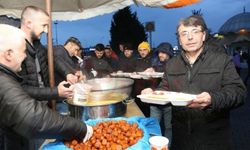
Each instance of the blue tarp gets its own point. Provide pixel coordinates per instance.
(150, 126)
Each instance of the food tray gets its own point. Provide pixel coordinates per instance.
(164, 97)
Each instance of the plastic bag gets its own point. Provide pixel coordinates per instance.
(81, 92)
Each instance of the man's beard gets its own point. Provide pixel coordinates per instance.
(34, 37)
(162, 59)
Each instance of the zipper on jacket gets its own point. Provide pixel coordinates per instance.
(189, 74)
(189, 128)
(189, 124)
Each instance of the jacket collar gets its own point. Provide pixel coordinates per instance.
(10, 72)
(30, 49)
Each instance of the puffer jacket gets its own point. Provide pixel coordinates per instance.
(24, 118)
(209, 128)
(30, 76)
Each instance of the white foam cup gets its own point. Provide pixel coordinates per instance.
(158, 143)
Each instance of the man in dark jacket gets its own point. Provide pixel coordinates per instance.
(163, 112)
(143, 63)
(22, 117)
(34, 22)
(64, 59)
(204, 124)
(145, 59)
(127, 62)
(113, 62)
(97, 64)
(164, 52)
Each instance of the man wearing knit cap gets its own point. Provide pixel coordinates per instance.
(144, 61)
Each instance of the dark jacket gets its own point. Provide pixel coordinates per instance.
(143, 63)
(24, 118)
(29, 73)
(113, 63)
(158, 65)
(213, 72)
(127, 64)
(166, 48)
(63, 63)
(100, 65)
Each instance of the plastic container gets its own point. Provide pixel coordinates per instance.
(158, 143)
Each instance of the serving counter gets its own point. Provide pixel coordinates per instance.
(132, 110)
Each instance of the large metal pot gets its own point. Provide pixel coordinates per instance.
(106, 99)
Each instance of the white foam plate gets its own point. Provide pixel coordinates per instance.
(135, 76)
(121, 74)
(151, 74)
(164, 97)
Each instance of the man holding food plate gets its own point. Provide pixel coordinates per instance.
(205, 70)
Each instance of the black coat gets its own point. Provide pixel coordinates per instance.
(30, 76)
(63, 63)
(24, 118)
(127, 64)
(113, 63)
(143, 63)
(100, 65)
(213, 72)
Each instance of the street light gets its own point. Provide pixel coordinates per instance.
(150, 27)
(56, 31)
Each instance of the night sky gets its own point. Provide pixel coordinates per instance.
(96, 30)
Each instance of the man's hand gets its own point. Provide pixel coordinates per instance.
(202, 100)
(89, 133)
(149, 70)
(94, 72)
(80, 76)
(72, 79)
(147, 91)
(64, 91)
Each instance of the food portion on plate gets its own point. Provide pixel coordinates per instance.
(164, 97)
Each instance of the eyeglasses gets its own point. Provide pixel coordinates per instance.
(193, 32)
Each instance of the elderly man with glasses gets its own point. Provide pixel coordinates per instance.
(202, 69)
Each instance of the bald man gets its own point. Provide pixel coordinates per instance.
(34, 22)
(22, 117)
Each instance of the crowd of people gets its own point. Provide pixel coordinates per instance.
(199, 69)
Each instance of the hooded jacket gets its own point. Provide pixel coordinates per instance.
(164, 48)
